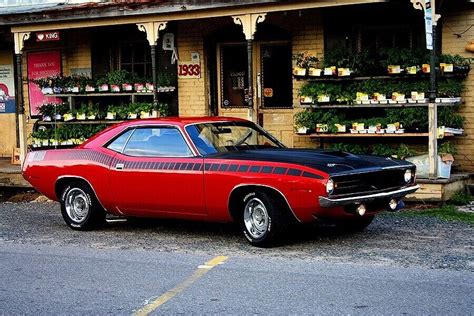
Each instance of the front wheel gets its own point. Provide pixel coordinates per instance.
(261, 222)
(80, 208)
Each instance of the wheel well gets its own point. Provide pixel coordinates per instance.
(236, 200)
(63, 182)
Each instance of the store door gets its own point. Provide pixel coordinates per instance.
(272, 77)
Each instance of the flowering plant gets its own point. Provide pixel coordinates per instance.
(305, 59)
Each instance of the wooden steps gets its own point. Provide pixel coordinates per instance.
(439, 190)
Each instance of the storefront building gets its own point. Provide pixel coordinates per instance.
(232, 59)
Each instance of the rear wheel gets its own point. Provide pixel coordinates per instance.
(355, 224)
(80, 208)
(261, 221)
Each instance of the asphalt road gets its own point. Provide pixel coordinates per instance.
(168, 267)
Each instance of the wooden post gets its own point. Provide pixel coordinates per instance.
(19, 39)
(153, 72)
(152, 30)
(249, 27)
(433, 114)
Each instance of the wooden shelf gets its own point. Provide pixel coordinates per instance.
(355, 106)
(368, 135)
(99, 94)
(85, 122)
(396, 76)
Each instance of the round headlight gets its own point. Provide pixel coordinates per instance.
(407, 176)
(330, 186)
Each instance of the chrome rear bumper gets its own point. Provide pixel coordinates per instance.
(328, 202)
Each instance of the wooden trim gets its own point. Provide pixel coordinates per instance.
(191, 15)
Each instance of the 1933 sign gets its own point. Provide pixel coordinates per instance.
(188, 69)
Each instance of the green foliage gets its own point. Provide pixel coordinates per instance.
(118, 77)
(410, 117)
(402, 56)
(448, 117)
(403, 151)
(305, 59)
(350, 148)
(382, 150)
(304, 118)
(47, 109)
(450, 88)
(447, 148)
(456, 60)
(460, 198)
(163, 80)
(444, 212)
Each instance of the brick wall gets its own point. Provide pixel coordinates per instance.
(192, 96)
(456, 22)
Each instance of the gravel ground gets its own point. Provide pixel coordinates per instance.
(392, 239)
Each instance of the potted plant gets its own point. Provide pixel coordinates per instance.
(116, 78)
(47, 111)
(449, 90)
(163, 81)
(92, 112)
(145, 110)
(89, 85)
(304, 121)
(127, 84)
(139, 84)
(102, 84)
(302, 62)
(133, 110)
(399, 60)
(81, 113)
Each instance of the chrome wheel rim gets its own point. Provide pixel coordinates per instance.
(77, 206)
(256, 218)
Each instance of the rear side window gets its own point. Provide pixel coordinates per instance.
(157, 142)
(118, 144)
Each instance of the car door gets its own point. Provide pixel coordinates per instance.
(155, 171)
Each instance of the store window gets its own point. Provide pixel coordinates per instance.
(135, 57)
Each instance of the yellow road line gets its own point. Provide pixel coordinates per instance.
(203, 269)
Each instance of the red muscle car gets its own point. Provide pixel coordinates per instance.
(215, 169)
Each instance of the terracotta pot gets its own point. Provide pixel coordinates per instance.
(470, 47)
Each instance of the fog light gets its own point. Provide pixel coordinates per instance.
(407, 176)
(361, 210)
(330, 186)
(393, 204)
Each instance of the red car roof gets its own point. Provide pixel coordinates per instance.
(183, 120)
(179, 121)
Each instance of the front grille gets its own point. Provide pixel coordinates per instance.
(370, 182)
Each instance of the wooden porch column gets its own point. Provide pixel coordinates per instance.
(19, 39)
(152, 30)
(430, 12)
(249, 27)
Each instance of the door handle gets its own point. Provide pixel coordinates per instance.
(119, 166)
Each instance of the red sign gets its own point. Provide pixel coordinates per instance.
(47, 36)
(41, 65)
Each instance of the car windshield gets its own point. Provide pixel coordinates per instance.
(215, 137)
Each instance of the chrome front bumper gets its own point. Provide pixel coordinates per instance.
(328, 202)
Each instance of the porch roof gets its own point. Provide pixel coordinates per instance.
(89, 14)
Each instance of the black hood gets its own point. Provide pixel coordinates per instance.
(331, 162)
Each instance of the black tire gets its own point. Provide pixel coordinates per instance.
(80, 208)
(355, 224)
(262, 219)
